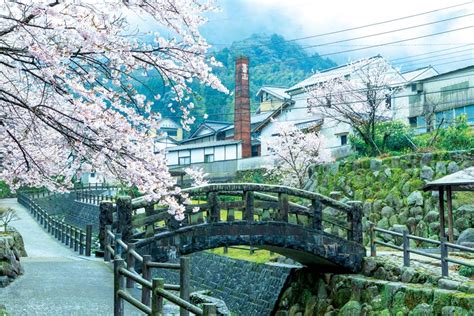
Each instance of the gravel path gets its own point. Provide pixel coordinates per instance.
(57, 281)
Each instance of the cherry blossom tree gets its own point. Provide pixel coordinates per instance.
(68, 72)
(294, 152)
(197, 175)
(360, 97)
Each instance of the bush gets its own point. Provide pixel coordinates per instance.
(391, 137)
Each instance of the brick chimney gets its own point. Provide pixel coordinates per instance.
(242, 105)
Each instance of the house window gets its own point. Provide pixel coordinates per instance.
(255, 150)
(413, 87)
(412, 121)
(470, 113)
(343, 139)
(92, 175)
(184, 160)
(209, 158)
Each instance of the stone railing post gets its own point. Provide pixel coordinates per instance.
(249, 205)
(106, 210)
(317, 210)
(214, 210)
(284, 207)
(354, 217)
(124, 212)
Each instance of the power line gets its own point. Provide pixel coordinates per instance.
(437, 58)
(369, 25)
(432, 52)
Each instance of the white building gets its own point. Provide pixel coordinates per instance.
(431, 101)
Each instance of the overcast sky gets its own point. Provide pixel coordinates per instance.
(239, 19)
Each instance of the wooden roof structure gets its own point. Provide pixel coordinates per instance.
(462, 180)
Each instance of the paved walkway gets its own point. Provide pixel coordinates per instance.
(57, 281)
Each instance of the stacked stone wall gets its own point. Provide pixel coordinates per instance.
(247, 288)
(391, 190)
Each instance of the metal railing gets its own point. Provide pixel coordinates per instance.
(444, 247)
(78, 239)
(153, 290)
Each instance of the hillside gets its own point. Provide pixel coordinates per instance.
(273, 61)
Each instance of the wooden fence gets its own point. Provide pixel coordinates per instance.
(444, 247)
(154, 290)
(78, 239)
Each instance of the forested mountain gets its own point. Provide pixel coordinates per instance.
(273, 61)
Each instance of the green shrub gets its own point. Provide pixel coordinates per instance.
(391, 137)
(466, 271)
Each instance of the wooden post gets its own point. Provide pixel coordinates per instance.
(230, 215)
(444, 255)
(105, 219)
(249, 205)
(149, 229)
(88, 239)
(406, 252)
(124, 212)
(107, 242)
(81, 242)
(117, 248)
(209, 309)
(317, 210)
(283, 206)
(63, 232)
(373, 246)
(156, 299)
(214, 209)
(442, 233)
(449, 196)
(130, 264)
(118, 285)
(184, 280)
(146, 274)
(76, 237)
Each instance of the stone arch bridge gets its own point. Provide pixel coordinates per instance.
(307, 227)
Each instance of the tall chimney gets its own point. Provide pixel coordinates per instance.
(242, 105)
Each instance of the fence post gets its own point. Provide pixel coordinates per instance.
(444, 256)
(130, 263)
(124, 212)
(63, 232)
(354, 217)
(106, 210)
(81, 242)
(317, 210)
(184, 279)
(214, 210)
(146, 274)
(406, 252)
(107, 243)
(209, 309)
(118, 285)
(76, 237)
(156, 299)
(249, 205)
(88, 239)
(118, 249)
(373, 247)
(283, 207)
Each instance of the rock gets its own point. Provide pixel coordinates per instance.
(387, 211)
(422, 229)
(375, 164)
(452, 167)
(377, 206)
(342, 296)
(415, 198)
(466, 236)
(380, 274)
(350, 308)
(311, 307)
(369, 266)
(295, 310)
(432, 216)
(440, 168)
(395, 162)
(406, 188)
(454, 311)
(383, 223)
(448, 284)
(416, 211)
(422, 309)
(393, 220)
(441, 298)
(426, 173)
(408, 275)
(426, 159)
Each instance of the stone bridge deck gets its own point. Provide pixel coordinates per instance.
(56, 281)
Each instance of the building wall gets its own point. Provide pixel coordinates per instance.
(197, 155)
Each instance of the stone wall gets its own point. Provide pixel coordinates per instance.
(11, 249)
(75, 213)
(395, 291)
(247, 288)
(391, 190)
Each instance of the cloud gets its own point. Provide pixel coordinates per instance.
(299, 18)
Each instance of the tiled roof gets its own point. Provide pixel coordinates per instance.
(276, 91)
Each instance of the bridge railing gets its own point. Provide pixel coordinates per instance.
(95, 193)
(78, 239)
(153, 290)
(255, 202)
(444, 247)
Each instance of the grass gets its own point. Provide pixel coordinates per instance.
(259, 255)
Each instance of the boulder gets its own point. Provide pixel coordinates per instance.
(202, 297)
(466, 236)
(432, 216)
(387, 211)
(452, 167)
(415, 199)
(426, 159)
(422, 309)
(426, 173)
(440, 168)
(350, 308)
(375, 164)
